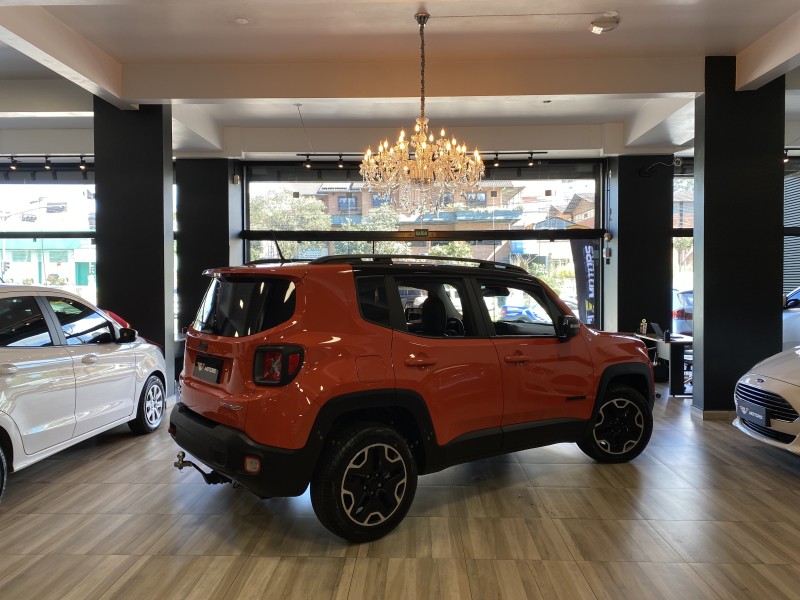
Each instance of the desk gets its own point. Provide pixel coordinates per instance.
(671, 351)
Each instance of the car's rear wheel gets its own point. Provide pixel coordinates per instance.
(621, 427)
(365, 482)
(152, 405)
(3, 473)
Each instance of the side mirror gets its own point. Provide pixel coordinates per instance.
(126, 335)
(567, 326)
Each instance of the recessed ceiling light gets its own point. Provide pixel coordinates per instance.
(241, 20)
(605, 22)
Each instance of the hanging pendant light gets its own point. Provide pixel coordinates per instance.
(422, 173)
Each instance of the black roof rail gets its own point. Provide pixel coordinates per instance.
(389, 259)
(272, 261)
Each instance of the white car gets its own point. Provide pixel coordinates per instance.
(768, 401)
(68, 371)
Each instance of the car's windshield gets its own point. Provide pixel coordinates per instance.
(241, 306)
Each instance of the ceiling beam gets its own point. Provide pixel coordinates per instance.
(771, 56)
(36, 33)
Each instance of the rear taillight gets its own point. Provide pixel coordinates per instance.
(277, 365)
(681, 314)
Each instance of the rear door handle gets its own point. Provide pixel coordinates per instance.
(8, 369)
(89, 359)
(517, 358)
(420, 362)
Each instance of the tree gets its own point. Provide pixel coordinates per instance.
(382, 218)
(459, 249)
(279, 211)
(553, 277)
(684, 250)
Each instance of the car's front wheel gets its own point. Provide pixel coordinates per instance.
(365, 482)
(151, 408)
(621, 427)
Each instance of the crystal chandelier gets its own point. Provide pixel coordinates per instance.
(422, 173)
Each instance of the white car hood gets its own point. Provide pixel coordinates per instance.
(784, 366)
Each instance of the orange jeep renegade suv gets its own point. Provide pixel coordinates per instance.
(315, 373)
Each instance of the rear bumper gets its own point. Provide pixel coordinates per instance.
(222, 448)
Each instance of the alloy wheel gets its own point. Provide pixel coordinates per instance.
(620, 426)
(373, 485)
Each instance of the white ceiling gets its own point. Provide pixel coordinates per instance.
(520, 75)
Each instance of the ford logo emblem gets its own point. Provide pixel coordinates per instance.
(760, 380)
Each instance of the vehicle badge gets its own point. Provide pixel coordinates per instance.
(744, 410)
(230, 406)
(760, 380)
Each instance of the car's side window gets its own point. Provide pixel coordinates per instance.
(22, 324)
(81, 324)
(372, 300)
(439, 310)
(518, 311)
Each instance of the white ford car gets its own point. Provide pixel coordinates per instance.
(69, 371)
(768, 401)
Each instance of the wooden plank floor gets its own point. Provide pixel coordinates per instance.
(703, 513)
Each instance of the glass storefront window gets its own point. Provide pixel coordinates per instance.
(554, 198)
(569, 267)
(66, 263)
(47, 207)
(683, 256)
(343, 206)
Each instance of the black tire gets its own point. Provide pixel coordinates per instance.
(365, 482)
(151, 408)
(621, 427)
(3, 473)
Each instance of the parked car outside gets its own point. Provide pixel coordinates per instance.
(69, 371)
(767, 401)
(303, 374)
(683, 312)
(791, 320)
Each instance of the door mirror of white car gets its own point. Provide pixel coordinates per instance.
(793, 303)
(126, 335)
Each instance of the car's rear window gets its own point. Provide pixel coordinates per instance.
(241, 306)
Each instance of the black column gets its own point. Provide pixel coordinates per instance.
(209, 215)
(738, 246)
(638, 274)
(133, 177)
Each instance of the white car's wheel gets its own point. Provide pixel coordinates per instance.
(3, 473)
(152, 405)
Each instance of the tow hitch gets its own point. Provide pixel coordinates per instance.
(210, 478)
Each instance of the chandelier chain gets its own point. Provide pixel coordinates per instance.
(421, 22)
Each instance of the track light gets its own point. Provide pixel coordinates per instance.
(14, 164)
(530, 159)
(341, 163)
(82, 164)
(47, 164)
(496, 160)
(307, 164)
